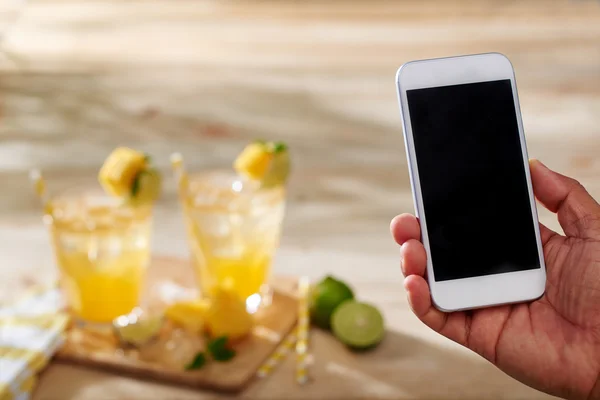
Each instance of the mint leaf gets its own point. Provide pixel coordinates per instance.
(219, 351)
(217, 343)
(224, 355)
(279, 147)
(197, 363)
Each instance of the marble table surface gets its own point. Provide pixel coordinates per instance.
(201, 77)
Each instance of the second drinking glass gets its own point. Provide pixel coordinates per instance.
(233, 227)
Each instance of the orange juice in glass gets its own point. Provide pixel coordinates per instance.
(102, 249)
(233, 228)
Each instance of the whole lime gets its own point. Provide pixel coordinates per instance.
(325, 297)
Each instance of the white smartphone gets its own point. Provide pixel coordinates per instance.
(470, 179)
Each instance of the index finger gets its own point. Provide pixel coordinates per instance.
(405, 227)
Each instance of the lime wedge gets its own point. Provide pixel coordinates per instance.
(325, 297)
(278, 171)
(146, 187)
(358, 325)
(139, 332)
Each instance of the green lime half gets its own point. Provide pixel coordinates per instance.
(325, 297)
(358, 325)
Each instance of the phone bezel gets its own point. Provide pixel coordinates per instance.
(481, 291)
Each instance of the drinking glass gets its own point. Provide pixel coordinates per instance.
(102, 249)
(233, 228)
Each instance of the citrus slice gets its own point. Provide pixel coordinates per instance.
(358, 325)
(266, 162)
(325, 297)
(189, 314)
(279, 170)
(139, 332)
(145, 188)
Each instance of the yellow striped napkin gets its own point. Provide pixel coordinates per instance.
(30, 333)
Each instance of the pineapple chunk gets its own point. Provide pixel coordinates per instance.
(120, 169)
(265, 162)
(188, 314)
(227, 314)
(254, 161)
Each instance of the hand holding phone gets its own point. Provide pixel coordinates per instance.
(552, 343)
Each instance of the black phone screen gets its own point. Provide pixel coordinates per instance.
(473, 183)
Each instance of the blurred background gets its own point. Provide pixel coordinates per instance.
(204, 77)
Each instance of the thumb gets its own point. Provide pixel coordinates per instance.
(578, 213)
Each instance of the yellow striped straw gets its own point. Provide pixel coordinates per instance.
(39, 187)
(303, 331)
(279, 355)
(180, 173)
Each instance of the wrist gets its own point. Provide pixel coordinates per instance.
(595, 393)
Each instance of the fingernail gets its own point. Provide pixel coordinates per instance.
(533, 161)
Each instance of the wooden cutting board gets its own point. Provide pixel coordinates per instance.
(100, 349)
